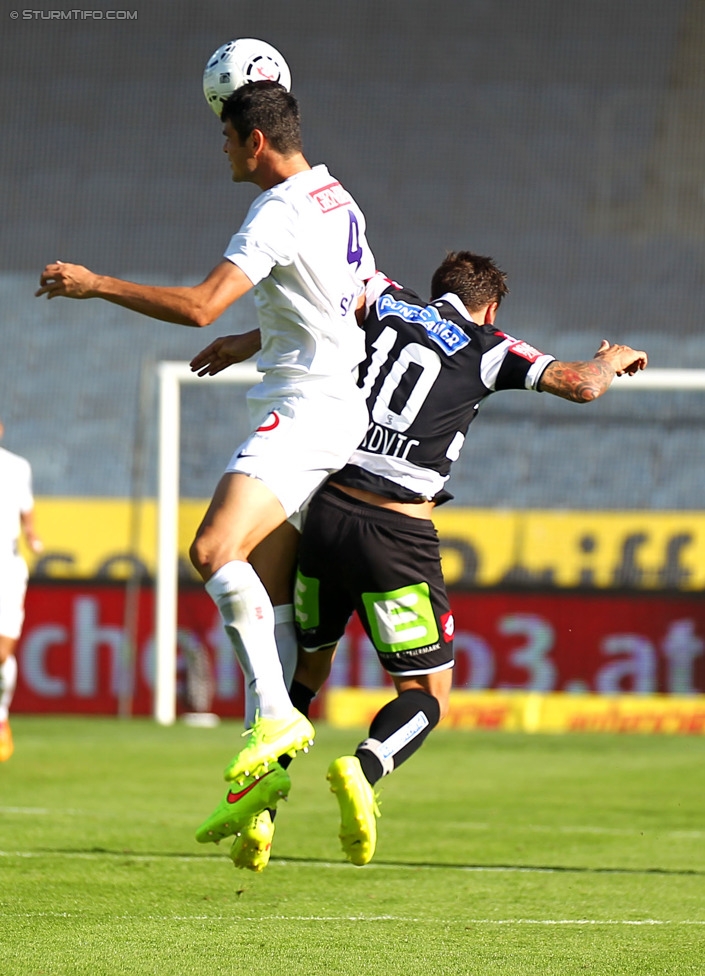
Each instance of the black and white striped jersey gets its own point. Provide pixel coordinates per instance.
(428, 367)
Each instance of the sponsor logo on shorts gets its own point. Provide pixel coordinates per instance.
(306, 606)
(331, 197)
(401, 620)
(270, 423)
(412, 652)
(448, 626)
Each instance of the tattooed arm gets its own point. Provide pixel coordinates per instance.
(586, 381)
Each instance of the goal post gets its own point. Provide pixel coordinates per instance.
(171, 376)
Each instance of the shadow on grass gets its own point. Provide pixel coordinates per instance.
(378, 862)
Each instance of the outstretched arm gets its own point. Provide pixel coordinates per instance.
(225, 351)
(582, 382)
(196, 305)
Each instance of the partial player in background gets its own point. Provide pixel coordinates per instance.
(369, 543)
(303, 248)
(16, 517)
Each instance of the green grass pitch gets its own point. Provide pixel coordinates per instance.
(497, 853)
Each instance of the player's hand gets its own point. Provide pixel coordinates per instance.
(66, 281)
(623, 359)
(224, 352)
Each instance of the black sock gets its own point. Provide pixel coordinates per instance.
(411, 717)
(301, 696)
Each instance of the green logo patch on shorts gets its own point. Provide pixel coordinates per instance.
(402, 619)
(306, 603)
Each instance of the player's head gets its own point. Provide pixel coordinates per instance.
(269, 107)
(476, 280)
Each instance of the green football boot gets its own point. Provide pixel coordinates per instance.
(358, 809)
(243, 802)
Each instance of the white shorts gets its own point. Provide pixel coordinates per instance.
(299, 443)
(13, 586)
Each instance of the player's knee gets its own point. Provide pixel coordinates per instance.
(443, 705)
(209, 551)
(201, 558)
(438, 686)
(435, 686)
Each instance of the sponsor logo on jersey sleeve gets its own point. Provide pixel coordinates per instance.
(524, 350)
(447, 335)
(331, 197)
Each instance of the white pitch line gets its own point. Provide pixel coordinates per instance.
(27, 811)
(368, 918)
(578, 829)
(42, 812)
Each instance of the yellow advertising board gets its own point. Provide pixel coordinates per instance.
(651, 550)
(536, 712)
(88, 538)
(102, 537)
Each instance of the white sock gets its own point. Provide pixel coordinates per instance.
(285, 636)
(248, 617)
(287, 649)
(8, 682)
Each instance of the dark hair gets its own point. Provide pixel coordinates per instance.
(477, 281)
(268, 106)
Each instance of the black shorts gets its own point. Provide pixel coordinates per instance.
(385, 565)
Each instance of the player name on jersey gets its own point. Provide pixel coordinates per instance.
(379, 440)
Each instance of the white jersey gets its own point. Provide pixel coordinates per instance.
(303, 246)
(15, 500)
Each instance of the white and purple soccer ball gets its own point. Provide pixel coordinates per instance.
(238, 63)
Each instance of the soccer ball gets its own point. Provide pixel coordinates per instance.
(239, 63)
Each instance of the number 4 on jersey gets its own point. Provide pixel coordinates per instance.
(354, 246)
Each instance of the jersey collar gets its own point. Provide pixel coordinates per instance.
(453, 300)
